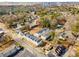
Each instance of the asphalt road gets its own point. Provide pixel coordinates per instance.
(25, 53)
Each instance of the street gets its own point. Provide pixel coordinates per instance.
(25, 53)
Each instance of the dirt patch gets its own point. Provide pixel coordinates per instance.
(34, 30)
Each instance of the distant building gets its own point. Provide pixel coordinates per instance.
(44, 33)
(34, 22)
(18, 26)
(60, 22)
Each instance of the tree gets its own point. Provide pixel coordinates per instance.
(75, 28)
(52, 35)
(54, 15)
(45, 22)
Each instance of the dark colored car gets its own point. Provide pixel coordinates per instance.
(60, 50)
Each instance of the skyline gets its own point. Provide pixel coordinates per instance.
(33, 3)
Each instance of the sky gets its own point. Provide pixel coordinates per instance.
(39, 0)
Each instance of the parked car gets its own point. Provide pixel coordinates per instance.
(60, 50)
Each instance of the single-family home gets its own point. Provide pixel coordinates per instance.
(34, 39)
(67, 35)
(34, 22)
(44, 33)
(62, 35)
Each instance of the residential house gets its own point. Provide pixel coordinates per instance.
(62, 36)
(44, 33)
(34, 22)
(67, 35)
(34, 39)
(60, 22)
(18, 26)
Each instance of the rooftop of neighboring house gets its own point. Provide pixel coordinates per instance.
(33, 38)
(43, 33)
(62, 35)
(67, 35)
(61, 20)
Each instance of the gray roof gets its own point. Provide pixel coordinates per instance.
(33, 38)
(43, 31)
